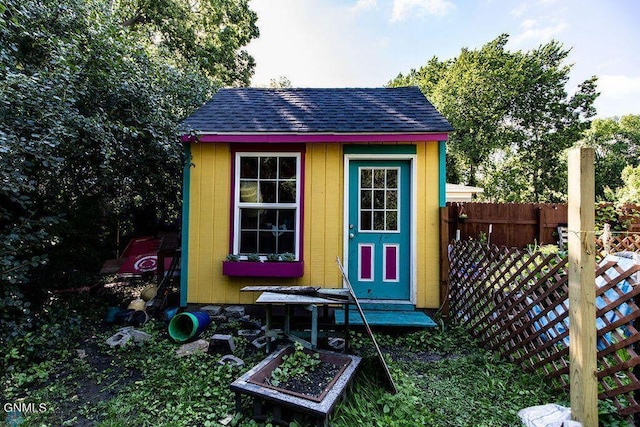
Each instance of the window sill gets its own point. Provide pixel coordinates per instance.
(263, 269)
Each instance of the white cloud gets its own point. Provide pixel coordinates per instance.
(402, 9)
(315, 44)
(520, 10)
(382, 42)
(363, 5)
(619, 95)
(532, 30)
(619, 86)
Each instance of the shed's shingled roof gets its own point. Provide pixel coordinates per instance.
(345, 110)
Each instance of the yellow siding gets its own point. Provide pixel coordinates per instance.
(428, 255)
(323, 214)
(209, 224)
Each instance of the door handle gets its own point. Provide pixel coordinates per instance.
(351, 235)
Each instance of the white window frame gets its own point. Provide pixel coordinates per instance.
(238, 204)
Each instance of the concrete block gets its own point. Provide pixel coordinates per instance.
(259, 342)
(222, 344)
(249, 334)
(120, 339)
(236, 311)
(247, 323)
(213, 310)
(336, 343)
(230, 359)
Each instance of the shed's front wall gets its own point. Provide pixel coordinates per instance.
(208, 223)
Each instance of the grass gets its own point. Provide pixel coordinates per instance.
(444, 379)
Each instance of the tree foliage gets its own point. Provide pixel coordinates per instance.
(630, 191)
(88, 123)
(616, 142)
(512, 115)
(209, 34)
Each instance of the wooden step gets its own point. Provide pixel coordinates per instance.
(408, 318)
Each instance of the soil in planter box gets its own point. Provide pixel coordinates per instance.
(314, 382)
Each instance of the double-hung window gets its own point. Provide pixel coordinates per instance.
(267, 203)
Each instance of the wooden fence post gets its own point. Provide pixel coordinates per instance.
(582, 288)
(541, 217)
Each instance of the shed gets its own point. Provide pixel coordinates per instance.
(305, 175)
(462, 193)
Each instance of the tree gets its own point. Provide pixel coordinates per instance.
(280, 83)
(630, 191)
(209, 34)
(543, 123)
(512, 115)
(616, 142)
(89, 110)
(472, 91)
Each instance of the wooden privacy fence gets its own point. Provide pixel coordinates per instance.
(516, 224)
(511, 224)
(516, 303)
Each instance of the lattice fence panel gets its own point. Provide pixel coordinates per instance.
(626, 242)
(516, 303)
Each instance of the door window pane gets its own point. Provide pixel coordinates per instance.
(379, 199)
(365, 178)
(365, 199)
(392, 199)
(392, 178)
(378, 178)
(365, 220)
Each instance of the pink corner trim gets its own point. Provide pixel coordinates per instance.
(298, 138)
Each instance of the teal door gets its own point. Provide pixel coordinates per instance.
(379, 234)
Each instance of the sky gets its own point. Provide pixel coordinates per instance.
(366, 43)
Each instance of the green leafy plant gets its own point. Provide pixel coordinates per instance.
(233, 257)
(273, 257)
(294, 365)
(253, 257)
(288, 256)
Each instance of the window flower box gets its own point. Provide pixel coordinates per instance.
(263, 269)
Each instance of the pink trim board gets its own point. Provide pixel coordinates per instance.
(315, 137)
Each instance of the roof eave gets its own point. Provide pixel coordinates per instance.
(292, 137)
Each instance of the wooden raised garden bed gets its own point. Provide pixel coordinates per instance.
(319, 407)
